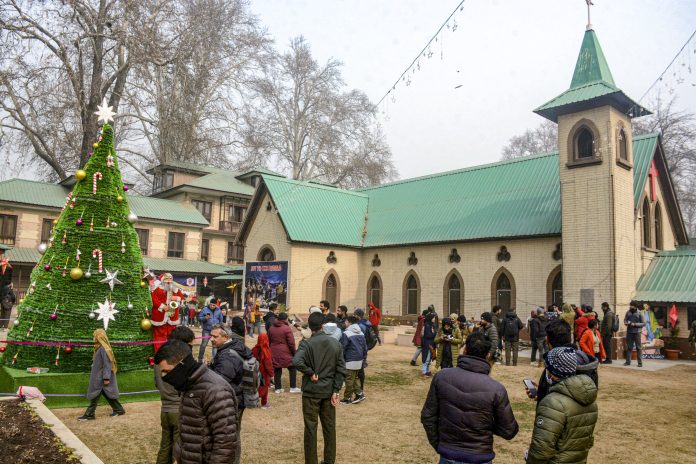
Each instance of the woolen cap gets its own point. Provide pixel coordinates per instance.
(561, 362)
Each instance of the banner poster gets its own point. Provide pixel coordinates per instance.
(267, 281)
(186, 284)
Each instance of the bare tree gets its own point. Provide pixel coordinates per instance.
(543, 139)
(58, 60)
(301, 119)
(181, 105)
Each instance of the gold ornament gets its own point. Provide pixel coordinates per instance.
(119, 198)
(55, 221)
(95, 145)
(145, 323)
(80, 174)
(142, 284)
(76, 273)
(21, 301)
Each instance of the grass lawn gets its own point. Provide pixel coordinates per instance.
(643, 417)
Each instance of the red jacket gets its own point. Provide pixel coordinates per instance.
(265, 364)
(282, 344)
(587, 343)
(581, 323)
(375, 315)
(419, 330)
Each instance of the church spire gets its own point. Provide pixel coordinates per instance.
(591, 65)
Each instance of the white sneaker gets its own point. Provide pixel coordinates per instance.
(280, 390)
(533, 363)
(295, 390)
(268, 406)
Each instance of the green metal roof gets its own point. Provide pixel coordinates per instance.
(222, 181)
(643, 150)
(229, 278)
(4, 247)
(53, 196)
(671, 277)
(591, 65)
(592, 80)
(315, 213)
(520, 197)
(23, 255)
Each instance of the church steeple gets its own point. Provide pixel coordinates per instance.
(591, 65)
(592, 86)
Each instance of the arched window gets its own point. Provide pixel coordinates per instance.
(374, 290)
(658, 227)
(646, 224)
(411, 294)
(503, 289)
(266, 253)
(584, 144)
(554, 287)
(622, 145)
(331, 290)
(454, 295)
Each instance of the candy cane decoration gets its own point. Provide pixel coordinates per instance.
(97, 175)
(96, 252)
(72, 202)
(67, 200)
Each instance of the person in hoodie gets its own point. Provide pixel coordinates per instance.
(584, 314)
(511, 327)
(364, 324)
(430, 328)
(537, 336)
(331, 328)
(417, 337)
(262, 353)
(568, 315)
(465, 408)
(559, 335)
(375, 319)
(448, 341)
(283, 349)
(229, 362)
(270, 316)
(566, 417)
(355, 354)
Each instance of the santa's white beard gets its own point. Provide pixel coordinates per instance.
(170, 287)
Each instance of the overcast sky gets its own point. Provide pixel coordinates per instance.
(508, 56)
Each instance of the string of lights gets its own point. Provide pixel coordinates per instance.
(684, 64)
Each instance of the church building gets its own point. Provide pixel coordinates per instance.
(592, 222)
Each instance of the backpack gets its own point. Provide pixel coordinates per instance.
(251, 381)
(615, 325)
(6, 302)
(370, 335)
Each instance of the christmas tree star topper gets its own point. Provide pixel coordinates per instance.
(105, 112)
(111, 279)
(106, 312)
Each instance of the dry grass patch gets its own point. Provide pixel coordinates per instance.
(640, 412)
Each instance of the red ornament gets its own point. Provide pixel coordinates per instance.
(68, 349)
(151, 361)
(2, 349)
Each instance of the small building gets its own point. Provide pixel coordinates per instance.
(585, 224)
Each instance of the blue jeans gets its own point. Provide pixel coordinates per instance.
(204, 343)
(426, 364)
(449, 461)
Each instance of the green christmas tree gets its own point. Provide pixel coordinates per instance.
(89, 277)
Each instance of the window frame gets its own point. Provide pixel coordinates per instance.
(657, 226)
(138, 231)
(7, 237)
(646, 233)
(572, 144)
(205, 245)
(45, 238)
(203, 203)
(406, 292)
(172, 252)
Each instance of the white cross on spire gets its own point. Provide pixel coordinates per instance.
(589, 23)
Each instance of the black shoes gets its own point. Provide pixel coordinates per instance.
(627, 364)
(85, 418)
(358, 398)
(413, 363)
(117, 413)
(345, 401)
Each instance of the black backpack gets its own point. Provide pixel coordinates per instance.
(370, 336)
(615, 324)
(251, 381)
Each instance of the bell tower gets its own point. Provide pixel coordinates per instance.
(596, 174)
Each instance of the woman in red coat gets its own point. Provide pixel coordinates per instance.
(591, 341)
(417, 338)
(282, 350)
(262, 353)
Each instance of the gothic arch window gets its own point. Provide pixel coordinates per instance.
(503, 289)
(622, 148)
(374, 290)
(453, 293)
(658, 227)
(646, 224)
(554, 287)
(583, 143)
(411, 294)
(266, 253)
(331, 291)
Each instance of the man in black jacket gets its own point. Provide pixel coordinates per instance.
(465, 407)
(229, 362)
(510, 334)
(320, 359)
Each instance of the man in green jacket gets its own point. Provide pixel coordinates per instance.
(566, 417)
(607, 331)
(320, 359)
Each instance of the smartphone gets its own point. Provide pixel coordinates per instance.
(530, 386)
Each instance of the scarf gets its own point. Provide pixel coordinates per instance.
(102, 341)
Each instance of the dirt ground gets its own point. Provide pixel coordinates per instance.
(643, 417)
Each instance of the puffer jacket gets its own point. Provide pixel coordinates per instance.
(586, 366)
(455, 343)
(231, 366)
(353, 344)
(282, 344)
(330, 328)
(207, 421)
(510, 327)
(464, 409)
(564, 424)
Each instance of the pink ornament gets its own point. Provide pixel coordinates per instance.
(78, 222)
(47, 267)
(125, 188)
(54, 316)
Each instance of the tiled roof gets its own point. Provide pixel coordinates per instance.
(670, 278)
(53, 196)
(32, 256)
(516, 198)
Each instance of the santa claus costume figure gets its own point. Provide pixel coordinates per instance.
(166, 301)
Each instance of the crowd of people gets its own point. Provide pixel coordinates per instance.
(203, 401)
